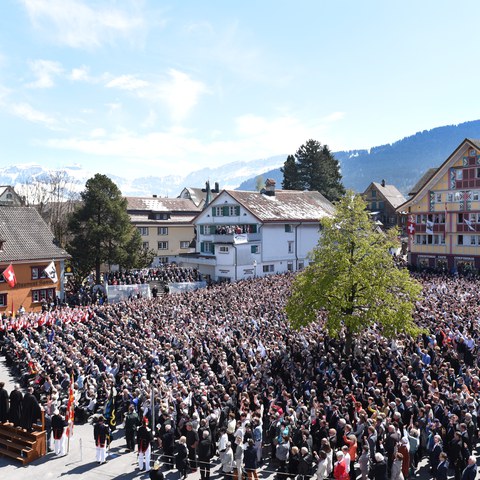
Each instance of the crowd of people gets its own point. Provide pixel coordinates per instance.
(232, 381)
(165, 274)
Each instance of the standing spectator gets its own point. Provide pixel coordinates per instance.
(379, 468)
(181, 457)
(192, 443)
(340, 471)
(250, 459)
(322, 471)
(15, 414)
(397, 473)
(205, 455)
(305, 465)
(131, 424)
(364, 462)
(442, 469)
(227, 462)
(470, 472)
(4, 403)
(168, 446)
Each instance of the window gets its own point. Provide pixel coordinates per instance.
(374, 194)
(300, 265)
(162, 245)
(38, 272)
(458, 196)
(9, 196)
(460, 218)
(226, 211)
(3, 299)
(290, 247)
(42, 294)
(145, 245)
(184, 244)
(449, 197)
(162, 231)
(477, 172)
(207, 247)
(143, 231)
(160, 216)
(374, 205)
(438, 197)
(163, 260)
(460, 240)
(459, 174)
(288, 228)
(223, 249)
(254, 249)
(381, 205)
(290, 266)
(473, 239)
(475, 195)
(268, 268)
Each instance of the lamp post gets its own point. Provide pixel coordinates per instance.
(255, 269)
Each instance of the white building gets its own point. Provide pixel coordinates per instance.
(243, 234)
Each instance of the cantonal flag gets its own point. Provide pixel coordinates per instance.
(70, 416)
(9, 276)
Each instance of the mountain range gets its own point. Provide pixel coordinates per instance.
(401, 163)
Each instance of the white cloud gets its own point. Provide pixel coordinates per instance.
(45, 71)
(127, 82)
(27, 112)
(80, 74)
(98, 133)
(80, 25)
(334, 117)
(178, 91)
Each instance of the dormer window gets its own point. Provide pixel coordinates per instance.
(160, 216)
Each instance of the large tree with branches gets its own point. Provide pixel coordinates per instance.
(353, 281)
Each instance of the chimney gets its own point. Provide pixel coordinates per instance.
(383, 183)
(270, 187)
(154, 196)
(217, 187)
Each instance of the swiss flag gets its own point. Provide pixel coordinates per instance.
(9, 276)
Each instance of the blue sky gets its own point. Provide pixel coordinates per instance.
(150, 87)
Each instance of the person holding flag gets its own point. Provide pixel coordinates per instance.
(70, 415)
(100, 434)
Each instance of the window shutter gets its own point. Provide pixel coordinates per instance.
(237, 210)
(225, 211)
(212, 248)
(202, 247)
(214, 211)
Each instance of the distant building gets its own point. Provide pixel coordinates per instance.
(10, 198)
(27, 243)
(444, 213)
(244, 234)
(165, 225)
(200, 196)
(383, 200)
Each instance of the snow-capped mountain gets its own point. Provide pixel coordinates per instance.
(229, 176)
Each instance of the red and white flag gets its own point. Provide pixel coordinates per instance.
(70, 416)
(9, 276)
(410, 225)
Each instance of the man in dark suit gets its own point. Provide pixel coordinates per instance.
(470, 472)
(31, 411)
(4, 403)
(442, 469)
(15, 413)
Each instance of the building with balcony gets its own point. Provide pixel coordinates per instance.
(244, 234)
(444, 213)
(165, 225)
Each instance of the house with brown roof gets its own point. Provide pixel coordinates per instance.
(444, 213)
(165, 225)
(383, 200)
(200, 196)
(27, 243)
(244, 234)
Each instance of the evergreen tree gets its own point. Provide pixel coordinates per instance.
(319, 170)
(352, 279)
(290, 174)
(102, 232)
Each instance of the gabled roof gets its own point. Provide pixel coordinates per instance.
(157, 204)
(390, 193)
(197, 195)
(423, 180)
(438, 171)
(285, 205)
(26, 236)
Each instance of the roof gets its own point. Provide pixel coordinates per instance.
(429, 175)
(197, 195)
(26, 236)
(423, 180)
(143, 218)
(285, 205)
(158, 204)
(390, 193)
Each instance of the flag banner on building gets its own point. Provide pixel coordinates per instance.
(429, 228)
(70, 415)
(9, 276)
(240, 238)
(51, 272)
(469, 224)
(411, 225)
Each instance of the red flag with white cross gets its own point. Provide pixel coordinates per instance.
(9, 276)
(411, 225)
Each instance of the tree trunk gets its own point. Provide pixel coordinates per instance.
(348, 342)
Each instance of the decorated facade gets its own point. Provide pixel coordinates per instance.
(443, 213)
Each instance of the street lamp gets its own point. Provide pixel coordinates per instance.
(255, 269)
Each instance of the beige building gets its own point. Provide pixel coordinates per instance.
(444, 213)
(165, 225)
